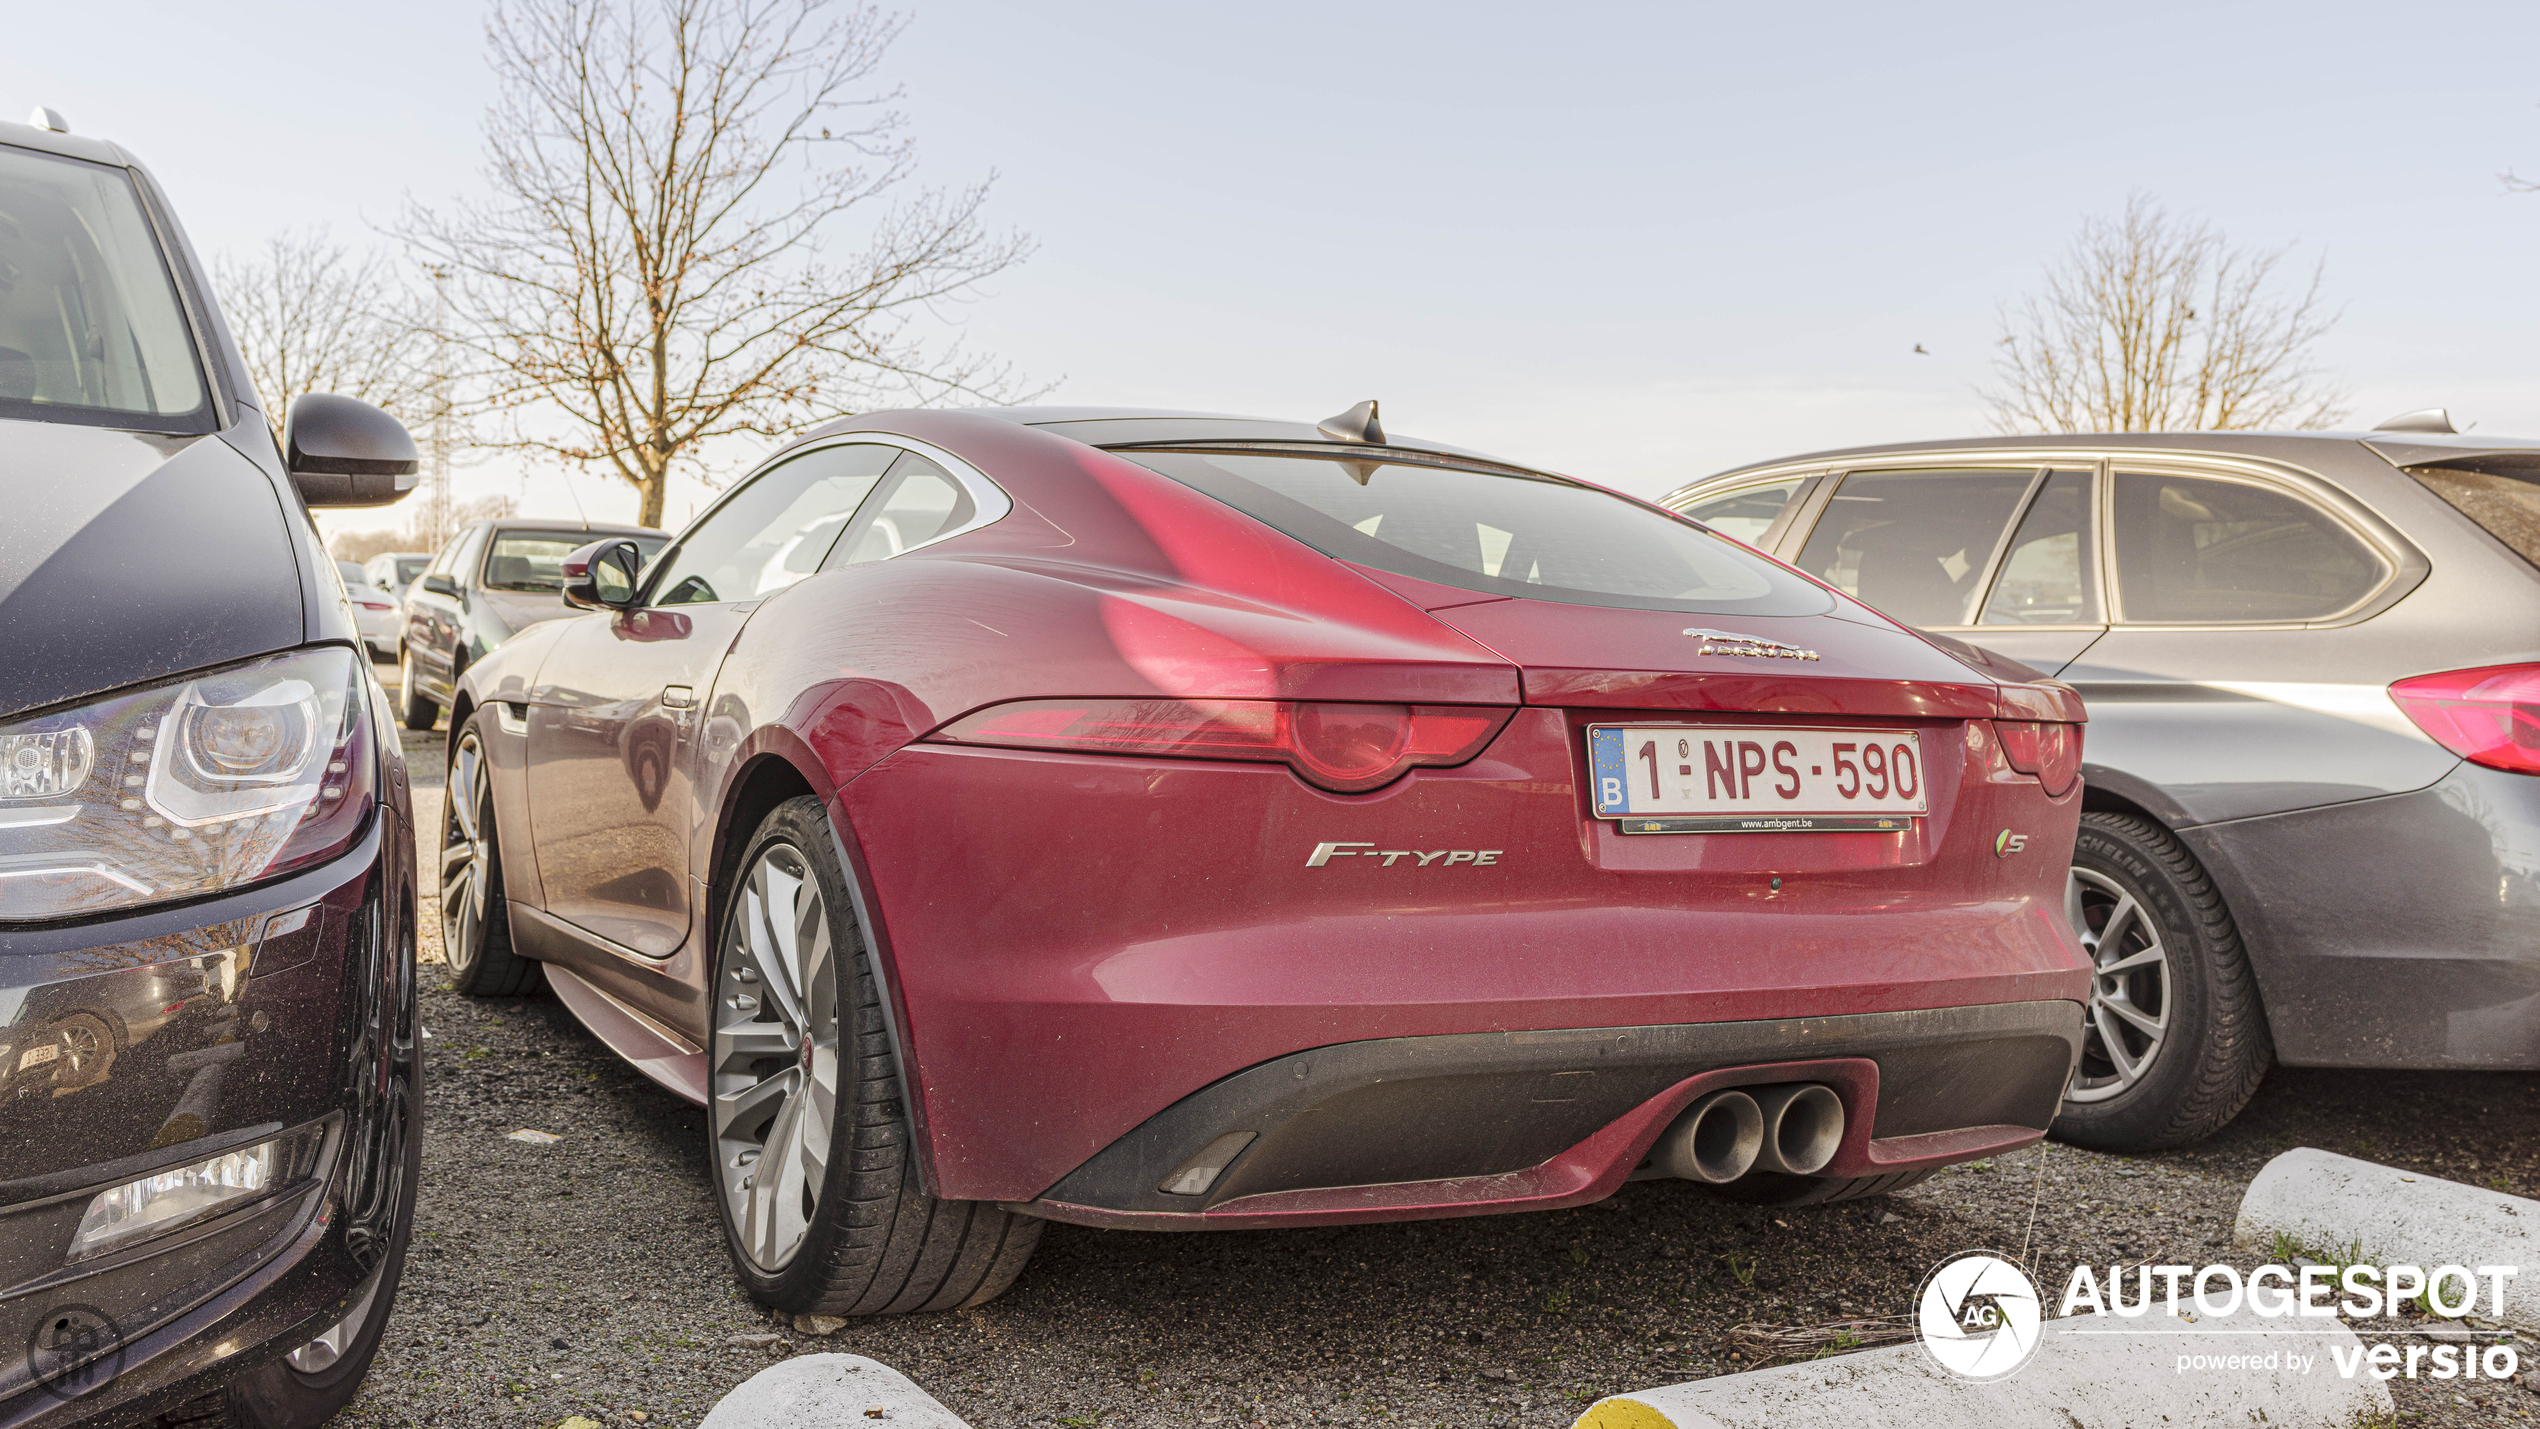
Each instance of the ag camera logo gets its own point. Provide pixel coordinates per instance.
(1979, 1315)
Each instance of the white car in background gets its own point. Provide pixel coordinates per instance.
(374, 610)
(393, 571)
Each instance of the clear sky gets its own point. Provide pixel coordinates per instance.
(1636, 242)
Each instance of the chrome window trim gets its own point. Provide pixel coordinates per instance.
(2402, 565)
(1982, 595)
(988, 501)
(1803, 486)
(1832, 487)
(2407, 567)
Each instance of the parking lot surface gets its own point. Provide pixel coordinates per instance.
(586, 1276)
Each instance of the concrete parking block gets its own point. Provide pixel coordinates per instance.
(2337, 1207)
(830, 1392)
(2089, 1372)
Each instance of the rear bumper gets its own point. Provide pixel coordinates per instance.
(1077, 943)
(2401, 931)
(1410, 1128)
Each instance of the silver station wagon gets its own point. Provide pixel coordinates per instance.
(2312, 827)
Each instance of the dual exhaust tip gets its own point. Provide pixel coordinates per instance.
(1793, 1129)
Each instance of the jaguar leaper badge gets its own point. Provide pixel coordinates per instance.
(1721, 642)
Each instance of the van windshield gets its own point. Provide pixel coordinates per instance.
(1505, 532)
(90, 327)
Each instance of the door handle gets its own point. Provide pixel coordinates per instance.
(678, 697)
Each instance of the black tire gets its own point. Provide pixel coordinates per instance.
(873, 1243)
(2213, 1048)
(420, 711)
(1775, 1188)
(476, 924)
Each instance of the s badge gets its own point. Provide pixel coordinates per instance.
(2007, 843)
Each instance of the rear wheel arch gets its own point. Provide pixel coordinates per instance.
(758, 787)
(2109, 791)
(767, 777)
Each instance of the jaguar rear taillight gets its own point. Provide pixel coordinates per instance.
(2488, 716)
(2050, 751)
(1346, 747)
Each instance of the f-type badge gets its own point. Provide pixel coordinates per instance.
(1721, 642)
(1324, 853)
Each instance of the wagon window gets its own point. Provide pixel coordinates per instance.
(2195, 550)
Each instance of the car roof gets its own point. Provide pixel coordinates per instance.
(570, 523)
(2397, 448)
(1123, 426)
(75, 146)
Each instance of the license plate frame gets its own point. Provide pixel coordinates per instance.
(1690, 780)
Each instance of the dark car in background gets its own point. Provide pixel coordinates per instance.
(209, 1094)
(492, 580)
(2312, 664)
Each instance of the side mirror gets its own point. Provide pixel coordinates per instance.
(601, 576)
(342, 452)
(440, 584)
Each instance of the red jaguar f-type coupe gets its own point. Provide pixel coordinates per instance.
(1178, 822)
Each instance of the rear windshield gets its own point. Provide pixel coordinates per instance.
(2505, 499)
(90, 327)
(534, 560)
(1503, 533)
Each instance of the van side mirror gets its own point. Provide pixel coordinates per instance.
(440, 584)
(601, 576)
(343, 452)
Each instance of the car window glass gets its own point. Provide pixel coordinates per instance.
(1746, 515)
(409, 567)
(461, 566)
(775, 530)
(90, 327)
(2047, 577)
(1507, 533)
(531, 560)
(2505, 500)
(353, 575)
(924, 502)
(1914, 544)
(2196, 550)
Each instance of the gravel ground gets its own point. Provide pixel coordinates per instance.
(585, 1277)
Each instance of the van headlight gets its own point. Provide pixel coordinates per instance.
(198, 785)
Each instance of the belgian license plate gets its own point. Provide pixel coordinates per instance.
(1717, 779)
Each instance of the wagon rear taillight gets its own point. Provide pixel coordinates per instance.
(1347, 747)
(2489, 715)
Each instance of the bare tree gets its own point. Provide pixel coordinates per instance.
(2153, 324)
(667, 176)
(311, 317)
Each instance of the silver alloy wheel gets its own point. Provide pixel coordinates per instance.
(464, 850)
(322, 1352)
(774, 1056)
(2129, 986)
